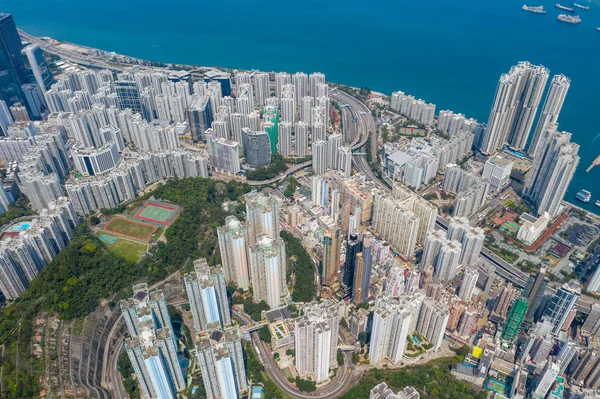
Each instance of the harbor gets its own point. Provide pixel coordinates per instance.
(595, 162)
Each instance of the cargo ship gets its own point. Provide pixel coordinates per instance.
(564, 8)
(536, 10)
(570, 19)
(587, 8)
(584, 196)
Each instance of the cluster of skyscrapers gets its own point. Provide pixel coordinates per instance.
(446, 251)
(100, 113)
(518, 97)
(253, 253)
(218, 342)
(132, 175)
(152, 346)
(43, 163)
(106, 178)
(25, 74)
(471, 190)
(420, 162)
(38, 242)
(511, 120)
(395, 317)
(256, 124)
(403, 219)
(417, 110)
(122, 132)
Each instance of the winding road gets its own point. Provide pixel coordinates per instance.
(341, 383)
(360, 125)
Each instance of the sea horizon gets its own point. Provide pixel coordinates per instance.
(451, 54)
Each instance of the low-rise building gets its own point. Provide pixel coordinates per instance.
(382, 391)
(532, 227)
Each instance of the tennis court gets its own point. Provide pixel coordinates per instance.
(510, 226)
(157, 213)
(496, 386)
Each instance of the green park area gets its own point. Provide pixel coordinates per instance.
(433, 380)
(129, 250)
(87, 271)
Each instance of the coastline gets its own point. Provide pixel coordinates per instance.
(51, 43)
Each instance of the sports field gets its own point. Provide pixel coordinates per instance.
(130, 228)
(157, 213)
(131, 251)
(496, 386)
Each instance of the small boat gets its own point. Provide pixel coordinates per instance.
(598, 203)
(561, 7)
(598, 29)
(536, 10)
(570, 19)
(584, 196)
(587, 8)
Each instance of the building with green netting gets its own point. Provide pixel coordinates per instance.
(514, 320)
(270, 124)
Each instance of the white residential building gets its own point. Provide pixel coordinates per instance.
(316, 337)
(468, 284)
(233, 244)
(393, 320)
(517, 98)
(206, 292)
(552, 171)
(432, 321)
(268, 268)
(497, 171)
(551, 110)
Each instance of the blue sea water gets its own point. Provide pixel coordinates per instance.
(447, 52)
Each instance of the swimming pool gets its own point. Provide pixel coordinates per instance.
(21, 226)
(257, 392)
(416, 340)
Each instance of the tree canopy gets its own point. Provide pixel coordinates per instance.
(276, 167)
(85, 272)
(303, 268)
(432, 380)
